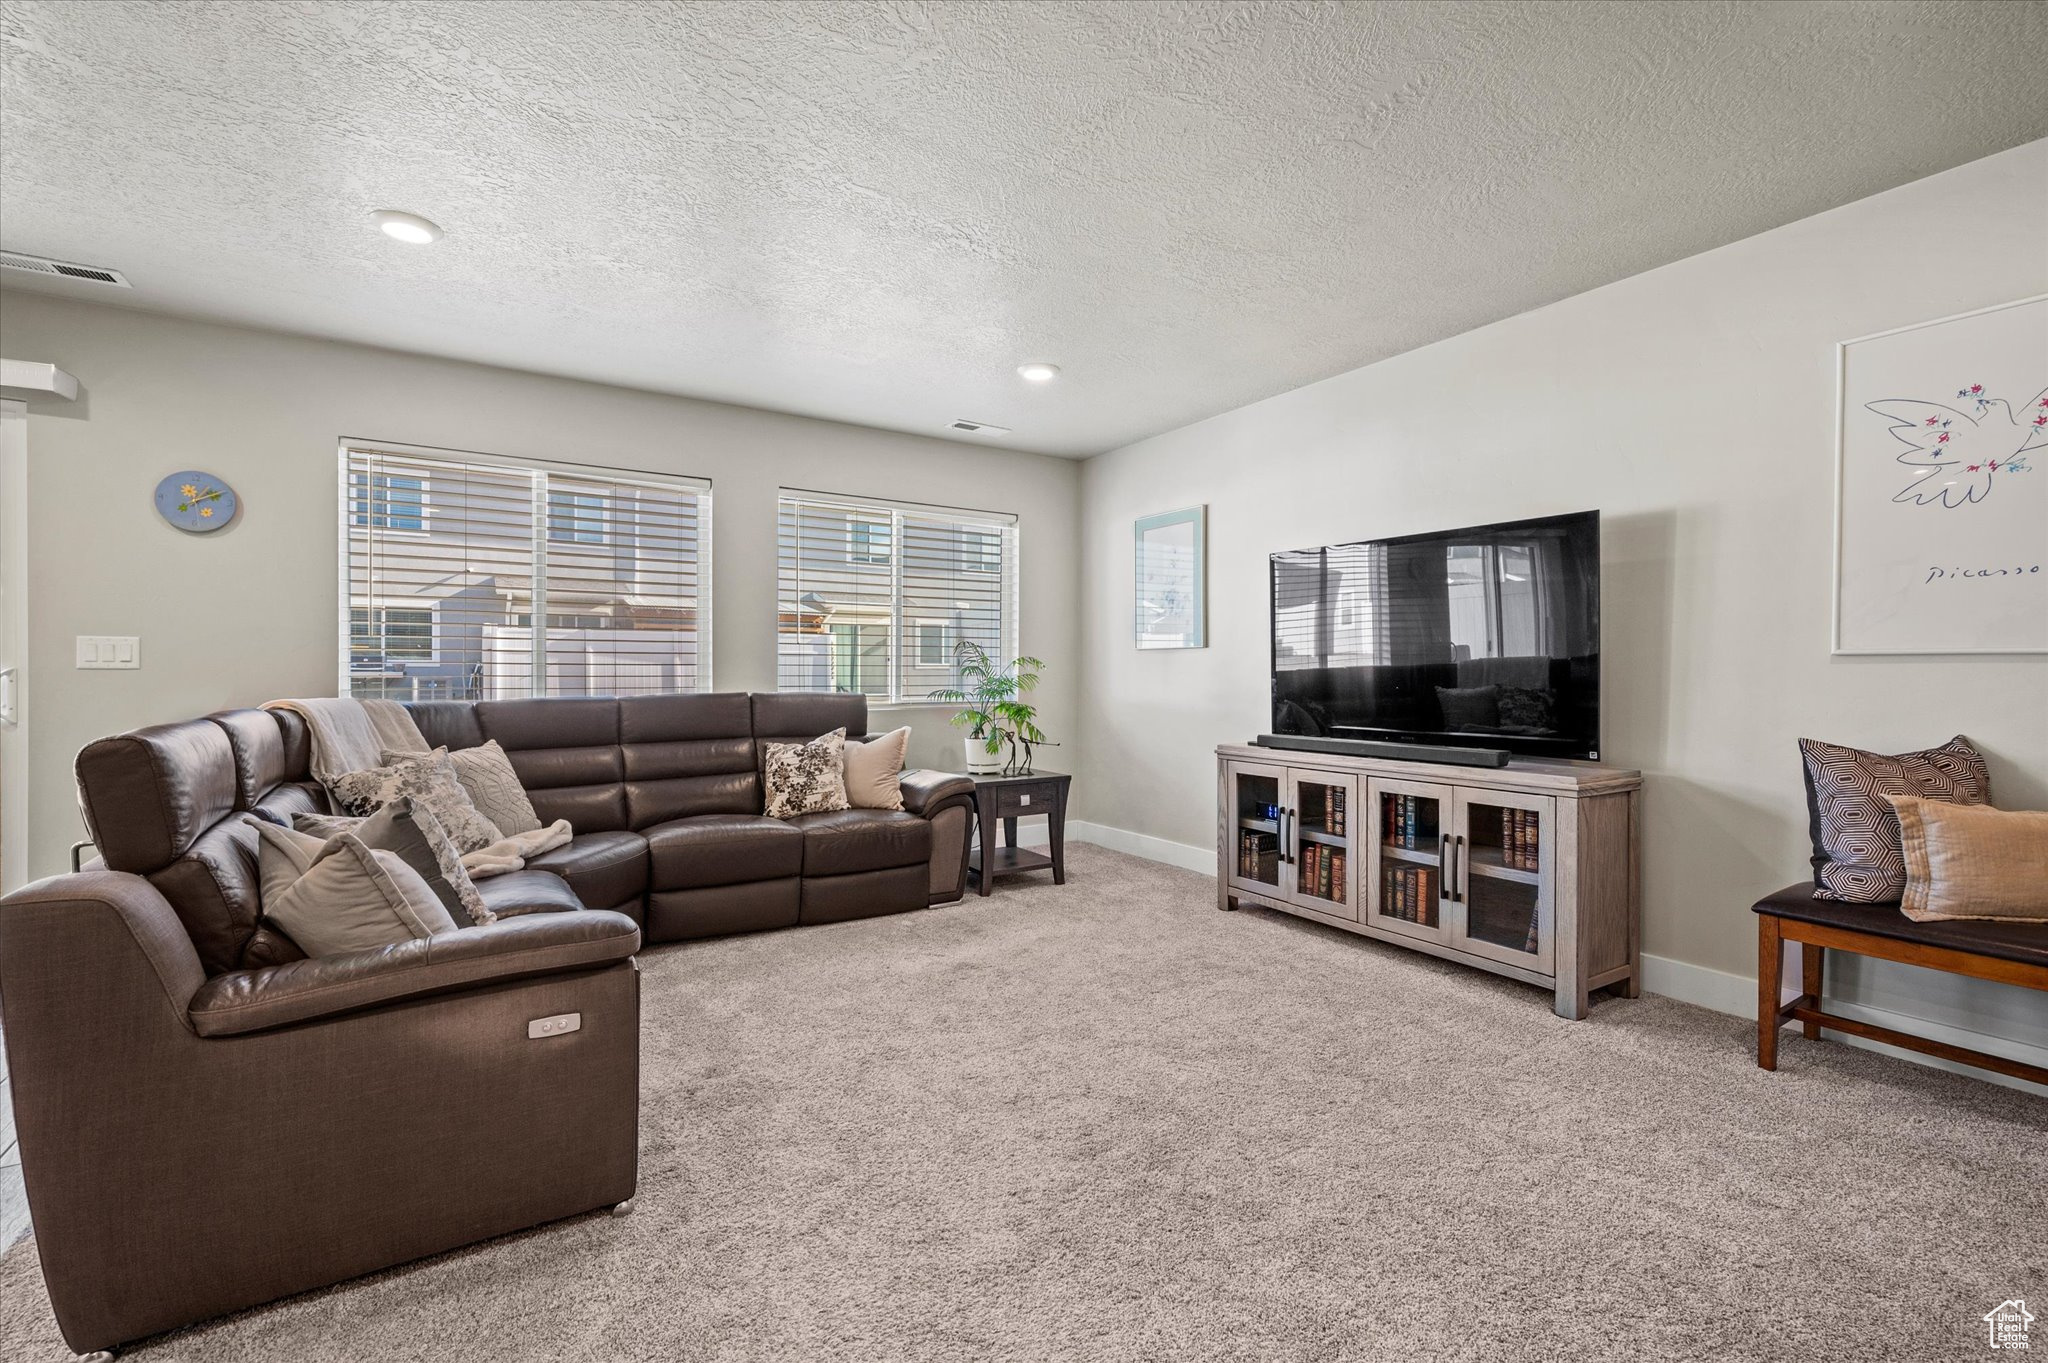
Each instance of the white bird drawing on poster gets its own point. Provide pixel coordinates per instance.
(1957, 457)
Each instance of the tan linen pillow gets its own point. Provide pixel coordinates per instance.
(340, 895)
(804, 778)
(1973, 861)
(871, 769)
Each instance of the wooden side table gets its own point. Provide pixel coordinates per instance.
(1010, 798)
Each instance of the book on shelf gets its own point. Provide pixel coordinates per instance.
(1258, 855)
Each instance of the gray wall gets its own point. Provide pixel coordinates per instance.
(1694, 405)
(249, 614)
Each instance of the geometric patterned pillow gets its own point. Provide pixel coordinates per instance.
(1856, 852)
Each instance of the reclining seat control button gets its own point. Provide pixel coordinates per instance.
(559, 1025)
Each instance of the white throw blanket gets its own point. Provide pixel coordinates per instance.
(510, 853)
(353, 735)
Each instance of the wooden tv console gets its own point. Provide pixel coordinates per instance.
(1530, 870)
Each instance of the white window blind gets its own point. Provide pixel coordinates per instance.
(872, 597)
(472, 578)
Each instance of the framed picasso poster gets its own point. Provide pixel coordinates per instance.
(1941, 486)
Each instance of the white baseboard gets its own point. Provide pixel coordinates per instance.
(1202, 859)
(1736, 995)
(1719, 990)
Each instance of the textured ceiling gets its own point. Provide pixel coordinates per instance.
(874, 212)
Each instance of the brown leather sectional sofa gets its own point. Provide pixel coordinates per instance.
(665, 796)
(208, 1120)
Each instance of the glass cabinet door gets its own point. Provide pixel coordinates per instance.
(1320, 815)
(1503, 849)
(1257, 796)
(1407, 892)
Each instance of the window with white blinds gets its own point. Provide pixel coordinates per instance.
(472, 578)
(875, 597)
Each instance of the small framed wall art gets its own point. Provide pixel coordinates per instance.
(1172, 577)
(1941, 491)
(199, 503)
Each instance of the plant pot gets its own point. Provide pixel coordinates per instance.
(980, 761)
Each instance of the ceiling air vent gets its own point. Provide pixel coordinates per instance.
(967, 427)
(65, 269)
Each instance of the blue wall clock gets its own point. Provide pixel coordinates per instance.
(198, 502)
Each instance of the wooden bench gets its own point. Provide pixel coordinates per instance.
(2011, 953)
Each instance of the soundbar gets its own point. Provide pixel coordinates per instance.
(1400, 752)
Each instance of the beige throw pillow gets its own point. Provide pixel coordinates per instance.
(340, 896)
(486, 773)
(430, 782)
(1973, 861)
(804, 778)
(872, 768)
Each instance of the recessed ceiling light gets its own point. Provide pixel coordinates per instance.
(410, 228)
(1038, 371)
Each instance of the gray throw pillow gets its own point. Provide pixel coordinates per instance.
(341, 896)
(429, 781)
(805, 778)
(421, 843)
(486, 773)
(1857, 856)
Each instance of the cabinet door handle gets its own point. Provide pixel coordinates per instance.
(1445, 867)
(1286, 835)
(1455, 880)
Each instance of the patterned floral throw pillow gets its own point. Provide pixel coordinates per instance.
(805, 778)
(1856, 853)
(429, 781)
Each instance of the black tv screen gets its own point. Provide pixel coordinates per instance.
(1487, 637)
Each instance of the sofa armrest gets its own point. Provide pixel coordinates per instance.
(245, 1001)
(927, 792)
(69, 920)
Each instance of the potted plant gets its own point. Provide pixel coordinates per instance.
(997, 717)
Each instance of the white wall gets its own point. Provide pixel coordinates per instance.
(1694, 406)
(248, 614)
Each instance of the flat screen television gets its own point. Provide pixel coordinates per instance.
(1487, 637)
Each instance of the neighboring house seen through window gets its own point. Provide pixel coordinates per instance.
(384, 502)
(452, 558)
(873, 597)
(576, 518)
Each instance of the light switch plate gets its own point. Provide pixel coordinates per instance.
(104, 651)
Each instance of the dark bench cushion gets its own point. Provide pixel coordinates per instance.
(847, 840)
(2001, 940)
(604, 869)
(722, 849)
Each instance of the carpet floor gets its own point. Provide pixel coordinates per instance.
(1105, 1121)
